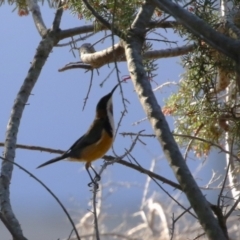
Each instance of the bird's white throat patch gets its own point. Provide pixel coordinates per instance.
(110, 115)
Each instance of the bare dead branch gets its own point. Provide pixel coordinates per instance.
(170, 52)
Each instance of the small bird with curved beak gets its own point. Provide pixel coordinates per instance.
(96, 141)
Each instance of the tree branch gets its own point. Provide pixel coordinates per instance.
(101, 58)
(170, 52)
(58, 16)
(37, 17)
(198, 27)
(184, 136)
(153, 111)
(42, 53)
(103, 21)
(75, 31)
(108, 159)
(93, 60)
(145, 171)
(90, 28)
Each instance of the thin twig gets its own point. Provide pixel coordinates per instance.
(75, 41)
(111, 234)
(164, 84)
(106, 78)
(223, 185)
(166, 192)
(191, 141)
(143, 170)
(74, 66)
(36, 148)
(185, 136)
(176, 219)
(118, 126)
(89, 89)
(102, 20)
(147, 184)
(232, 208)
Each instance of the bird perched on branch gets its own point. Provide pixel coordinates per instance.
(96, 141)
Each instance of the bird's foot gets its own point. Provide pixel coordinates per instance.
(97, 178)
(93, 183)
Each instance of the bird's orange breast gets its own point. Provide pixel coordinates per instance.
(96, 150)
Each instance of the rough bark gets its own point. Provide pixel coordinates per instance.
(153, 111)
(44, 49)
(226, 45)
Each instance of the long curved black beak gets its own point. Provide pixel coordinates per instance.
(115, 88)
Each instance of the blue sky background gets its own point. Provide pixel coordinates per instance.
(54, 119)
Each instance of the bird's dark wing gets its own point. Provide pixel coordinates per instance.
(92, 136)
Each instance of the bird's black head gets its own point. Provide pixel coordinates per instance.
(104, 101)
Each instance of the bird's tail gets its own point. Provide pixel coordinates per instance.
(56, 159)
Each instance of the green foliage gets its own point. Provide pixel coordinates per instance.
(150, 65)
(20, 5)
(200, 107)
(117, 12)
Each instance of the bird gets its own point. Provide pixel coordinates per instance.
(96, 141)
